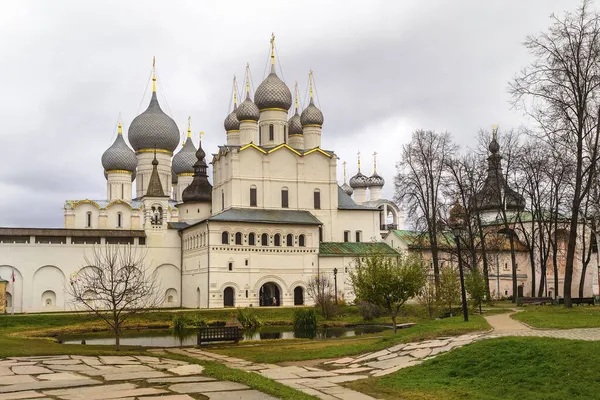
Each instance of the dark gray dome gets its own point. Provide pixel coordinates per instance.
(294, 125)
(359, 181)
(183, 162)
(232, 123)
(153, 129)
(174, 178)
(247, 111)
(494, 147)
(376, 180)
(273, 93)
(347, 189)
(200, 190)
(119, 156)
(311, 115)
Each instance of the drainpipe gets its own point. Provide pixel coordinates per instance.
(208, 266)
(181, 270)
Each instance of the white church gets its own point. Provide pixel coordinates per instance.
(273, 217)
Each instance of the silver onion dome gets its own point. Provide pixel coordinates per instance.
(311, 115)
(376, 180)
(294, 125)
(232, 123)
(273, 93)
(247, 111)
(183, 162)
(347, 189)
(153, 129)
(359, 181)
(119, 156)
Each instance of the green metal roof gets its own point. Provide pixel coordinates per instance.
(257, 215)
(354, 249)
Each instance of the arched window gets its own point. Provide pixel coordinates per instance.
(238, 238)
(88, 219)
(225, 237)
(252, 196)
(317, 199)
(251, 239)
(264, 239)
(284, 198)
(358, 236)
(346, 236)
(301, 241)
(119, 220)
(271, 133)
(289, 240)
(277, 240)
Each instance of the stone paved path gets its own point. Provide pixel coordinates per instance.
(323, 382)
(112, 377)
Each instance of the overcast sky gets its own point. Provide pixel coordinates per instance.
(382, 69)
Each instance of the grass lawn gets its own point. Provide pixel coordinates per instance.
(559, 317)
(296, 350)
(507, 368)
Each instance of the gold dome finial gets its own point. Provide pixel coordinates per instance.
(247, 79)
(154, 74)
(119, 128)
(310, 82)
(344, 164)
(201, 134)
(296, 94)
(189, 126)
(374, 162)
(495, 131)
(273, 50)
(358, 161)
(234, 91)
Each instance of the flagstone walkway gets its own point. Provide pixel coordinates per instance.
(113, 377)
(324, 382)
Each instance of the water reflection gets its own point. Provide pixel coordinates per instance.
(188, 337)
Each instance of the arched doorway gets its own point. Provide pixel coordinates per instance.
(270, 295)
(298, 296)
(9, 301)
(228, 297)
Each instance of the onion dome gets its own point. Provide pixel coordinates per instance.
(247, 111)
(375, 180)
(273, 92)
(232, 123)
(359, 181)
(294, 125)
(183, 162)
(119, 157)
(153, 128)
(347, 189)
(311, 115)
(494, 147)
(174, 178)
(200, 190)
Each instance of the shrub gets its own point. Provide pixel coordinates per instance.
(369, 311)
(198, 321)
(305, 319)
(178, 324)
(248, 318)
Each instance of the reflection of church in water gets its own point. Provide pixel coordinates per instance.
(272, 216)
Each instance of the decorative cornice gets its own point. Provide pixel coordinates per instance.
(112, 203)
(285, 146)
(296, 134)
(248, 120)
(119, 171)
(315, 125)
(153, 150)
(186, 174)
(273, 109)
(233, 130)
(252, 145)
(318, 150)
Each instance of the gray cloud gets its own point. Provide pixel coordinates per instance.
(382, 69)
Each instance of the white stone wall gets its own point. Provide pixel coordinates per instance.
(118, 186)
(144, 171)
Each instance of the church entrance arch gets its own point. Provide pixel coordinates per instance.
(270, 295)
(228, 295)
(298, 296)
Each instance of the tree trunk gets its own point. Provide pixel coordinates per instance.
(532, 256)
(117, 340)
(394, 323)
(488, 293)
(570, 257)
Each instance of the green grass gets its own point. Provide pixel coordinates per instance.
(554, 317)
(507, 368)
(296, 350)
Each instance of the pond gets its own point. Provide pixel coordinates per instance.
(165, 337)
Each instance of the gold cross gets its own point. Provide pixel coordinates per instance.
(201, 134)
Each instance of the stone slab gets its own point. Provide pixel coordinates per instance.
(148, 359)
(344, 378)
(126, 376)
(28, 394)
(109, 395)
(181, 379)
(4, 371)
(63, 376)
(396, 368)
(119, 360)
(345, 360)
(387, 357)
(190, 369)
(391, 363)
(372, 356)
(239, 395)
(61, 362)
(206, 387)
(47, 385)
(314, 374)
(172, 397)
(15, 379)
(81, 368)
(344, 371)
(420, 353)
(30, 370)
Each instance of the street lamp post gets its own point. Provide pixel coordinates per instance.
(456, 223)
(335, 283)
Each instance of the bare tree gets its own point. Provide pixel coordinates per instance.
(320, 289)
(114, 285)
(560, 91)
(421, 176)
